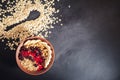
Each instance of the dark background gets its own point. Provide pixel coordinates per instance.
(87, 46)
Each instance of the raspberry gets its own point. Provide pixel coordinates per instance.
(25, 53)
(40, 67)
(41, 60)
(33, 54)
(38, 59)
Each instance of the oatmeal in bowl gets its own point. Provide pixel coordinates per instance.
(35, 55)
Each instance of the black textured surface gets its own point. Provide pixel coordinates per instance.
(87, 47)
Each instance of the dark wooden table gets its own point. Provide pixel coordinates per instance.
(87, 46)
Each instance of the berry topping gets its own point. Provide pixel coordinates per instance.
(25, 53)
(40, 67)
(35, 65)
(33, 54)
(20, 57)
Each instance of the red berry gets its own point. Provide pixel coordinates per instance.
(38, 59)
(25, 53)
(33, 54)
(41, 60)
(40, 67)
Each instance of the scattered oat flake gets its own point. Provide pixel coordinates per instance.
(18, 11)
(69, 6)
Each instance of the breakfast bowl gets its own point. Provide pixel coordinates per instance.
(35, 55)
